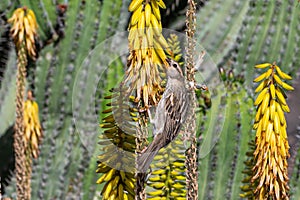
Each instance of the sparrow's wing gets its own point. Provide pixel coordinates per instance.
(167, 124)
(168, 121)
(172, 113)
(160, 117)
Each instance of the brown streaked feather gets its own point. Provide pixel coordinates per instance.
(174, 117)
(170, 114)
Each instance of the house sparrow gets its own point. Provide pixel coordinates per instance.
(170, 114)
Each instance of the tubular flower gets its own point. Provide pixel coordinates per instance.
(271, 153)
(117, 142)
(146, 45)
(168, 173)
(24, 28)
(175, 53)
(32, 128)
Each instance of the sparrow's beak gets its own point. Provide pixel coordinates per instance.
(168, 60)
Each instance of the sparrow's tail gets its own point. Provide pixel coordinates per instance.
(145, 158)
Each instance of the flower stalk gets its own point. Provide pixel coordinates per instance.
(23, 32)
(19, 145)
(191, 161)
(32, 137)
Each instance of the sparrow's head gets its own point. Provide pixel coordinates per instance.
(174, 70)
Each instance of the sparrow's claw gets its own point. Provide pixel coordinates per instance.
(148, 174)
(144, 109)
(202, 87)
(194, 86)
(144, 149)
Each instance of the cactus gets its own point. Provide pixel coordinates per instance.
(236, 35)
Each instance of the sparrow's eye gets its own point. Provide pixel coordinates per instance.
(174, 65)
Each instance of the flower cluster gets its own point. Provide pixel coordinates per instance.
(146, 45)
(24, 30)
(32, 128)
(271, 153)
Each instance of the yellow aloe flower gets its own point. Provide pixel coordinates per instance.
(147, 50)
(24, 29)
(271, 153)
(32, 128)
(168, 176)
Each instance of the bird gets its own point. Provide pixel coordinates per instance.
(171, 113)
